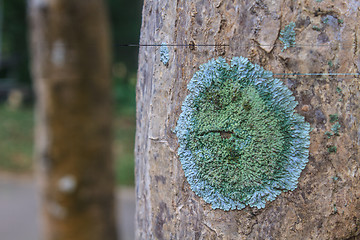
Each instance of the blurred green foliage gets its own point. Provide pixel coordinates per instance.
(15, 54)
(124, 148)
(16, 138)
(125, 22)
(124, 19)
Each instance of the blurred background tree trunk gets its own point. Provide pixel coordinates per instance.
(327, 201)
(71, 68)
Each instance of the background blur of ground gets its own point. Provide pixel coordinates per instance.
(19, 208)
(19, 202)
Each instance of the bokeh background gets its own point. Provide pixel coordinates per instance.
(19, 199)
(17, 97)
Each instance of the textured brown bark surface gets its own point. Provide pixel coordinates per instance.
(71, 69)
(326, 204)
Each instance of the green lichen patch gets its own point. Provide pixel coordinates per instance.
(330, 63)
(339, 90)
(316, 28)
(288, 36)
(328, 134)
(333, 118)
(240, 141)
(164, 54)
(335, 128)
(335, 209)
(332, 149)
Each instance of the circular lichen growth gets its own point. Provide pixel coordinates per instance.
(240, 141)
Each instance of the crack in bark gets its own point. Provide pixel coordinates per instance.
(210, 229)
(223, 134)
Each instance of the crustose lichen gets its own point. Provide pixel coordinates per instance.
(240, 141)
(164, 54)
(288, 36)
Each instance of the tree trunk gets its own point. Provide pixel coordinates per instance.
(71, 69)
(326, 203)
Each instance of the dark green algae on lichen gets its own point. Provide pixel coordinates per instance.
(240, 141)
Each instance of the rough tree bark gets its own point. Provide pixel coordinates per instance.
(71, 69)
(327, 201)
